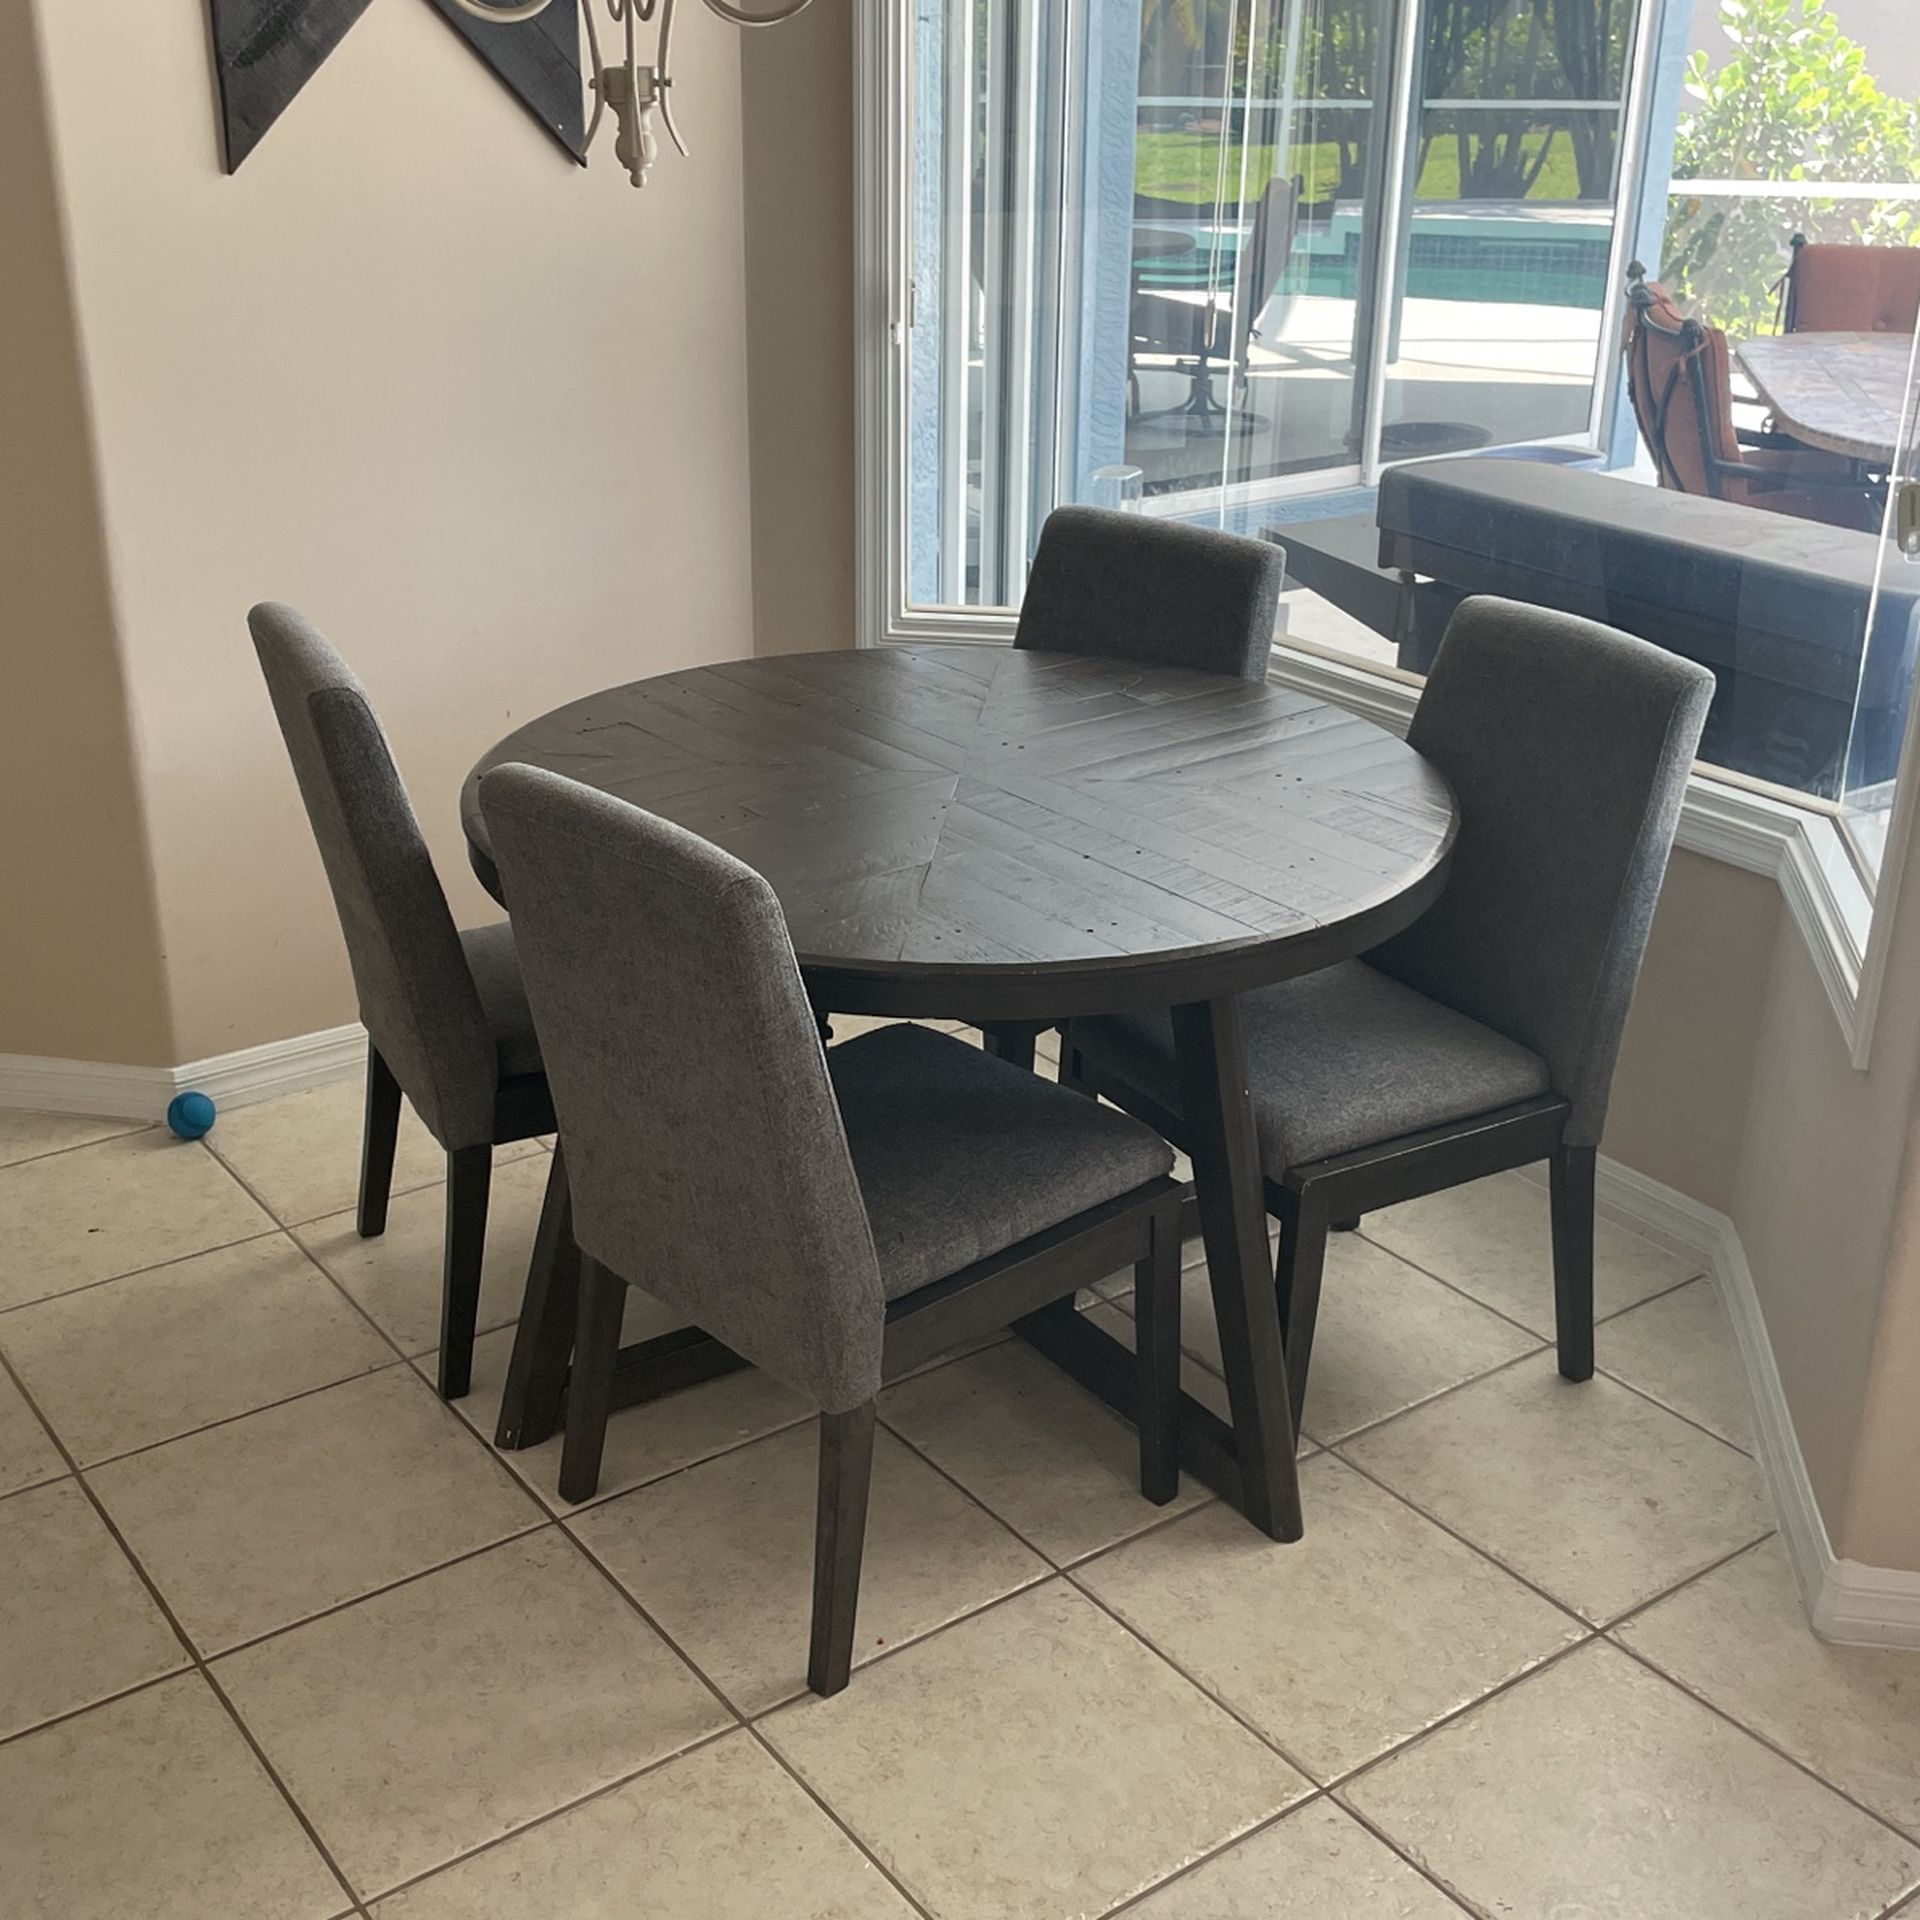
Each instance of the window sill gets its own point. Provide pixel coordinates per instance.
(1799, 847)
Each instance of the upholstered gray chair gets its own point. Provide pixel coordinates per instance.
(1484, 1036)
(833, 1218)
(445, 1013)
(1130, 587)
(1133, 587)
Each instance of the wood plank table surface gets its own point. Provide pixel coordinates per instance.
(1844, 393)
(986, 834)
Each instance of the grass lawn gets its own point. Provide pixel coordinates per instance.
(1187, 167)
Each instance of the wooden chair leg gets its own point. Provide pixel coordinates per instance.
(469, 1177)
(537, 1373)
(1571, 1183)
(1296, 1284)
(596, 1347)
(377, 1141)
(839, 1539)
(1156, 1350)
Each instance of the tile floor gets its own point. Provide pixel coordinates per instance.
(282, 1636)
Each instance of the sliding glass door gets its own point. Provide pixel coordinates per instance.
(1507, 242)
(1211, 253)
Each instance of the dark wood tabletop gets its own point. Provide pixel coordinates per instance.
(984, 833)
(1844, 393)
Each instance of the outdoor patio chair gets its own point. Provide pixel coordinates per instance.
(1208, 330)
(1850, 289)
(1679, 376)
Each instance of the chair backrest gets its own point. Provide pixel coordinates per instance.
(1680, 379)
(1567, 744)
(416, 991)
(1135, 587)
(705, 1151)
(1269, 248)
(1851, 289)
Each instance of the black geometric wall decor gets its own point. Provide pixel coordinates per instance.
(265, 51)
(539, 59)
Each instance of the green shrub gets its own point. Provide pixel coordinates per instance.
(1795, 102)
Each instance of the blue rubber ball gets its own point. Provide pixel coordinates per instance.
(190, 1115)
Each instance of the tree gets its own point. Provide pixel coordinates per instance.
(1794, 103)
(1492, 51)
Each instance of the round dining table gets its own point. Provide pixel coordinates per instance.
(1004, 836)
(1844, 393)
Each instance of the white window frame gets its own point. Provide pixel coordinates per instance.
(1846, 926)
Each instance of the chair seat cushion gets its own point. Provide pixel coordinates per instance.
(1336, 1060)
(960, 1155)
(503, 997)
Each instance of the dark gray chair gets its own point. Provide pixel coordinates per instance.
(835, 1219)
(1128, 586)
(445, 1013)
(1484, 1037)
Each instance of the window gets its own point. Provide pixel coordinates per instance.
(1228, 243)
(1246, 261)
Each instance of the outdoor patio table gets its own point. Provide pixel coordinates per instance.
(1841, 392)
(984, 833)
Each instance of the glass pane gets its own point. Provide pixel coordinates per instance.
(1887, 666)
(1502, 283)
(988, 125)
(1252, 150)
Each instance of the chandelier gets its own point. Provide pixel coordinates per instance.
(632, 88)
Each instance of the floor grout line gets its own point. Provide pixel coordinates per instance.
(500, 1840)
(1753, 1733)
(377, 1593)
(1600, 1319)
(198, 1665)
(1653, 1399)
(233, 1419)
(1386, 1419)
(137, 1273)
(807, 1787)
(119, 1132)
(1342, 1782)
(1493, 1559)
(1134, 1901)
(1426, 1873)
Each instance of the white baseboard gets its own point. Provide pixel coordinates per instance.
(141, 1093)
(1846, 1601)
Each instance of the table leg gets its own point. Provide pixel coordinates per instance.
(1012, 1040)
(1226, 1171)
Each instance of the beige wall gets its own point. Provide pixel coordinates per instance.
(1681, 1096)
(1826, 1208)
(79, 936)
(797, 101)
(481, 415)
(1736, 1087)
